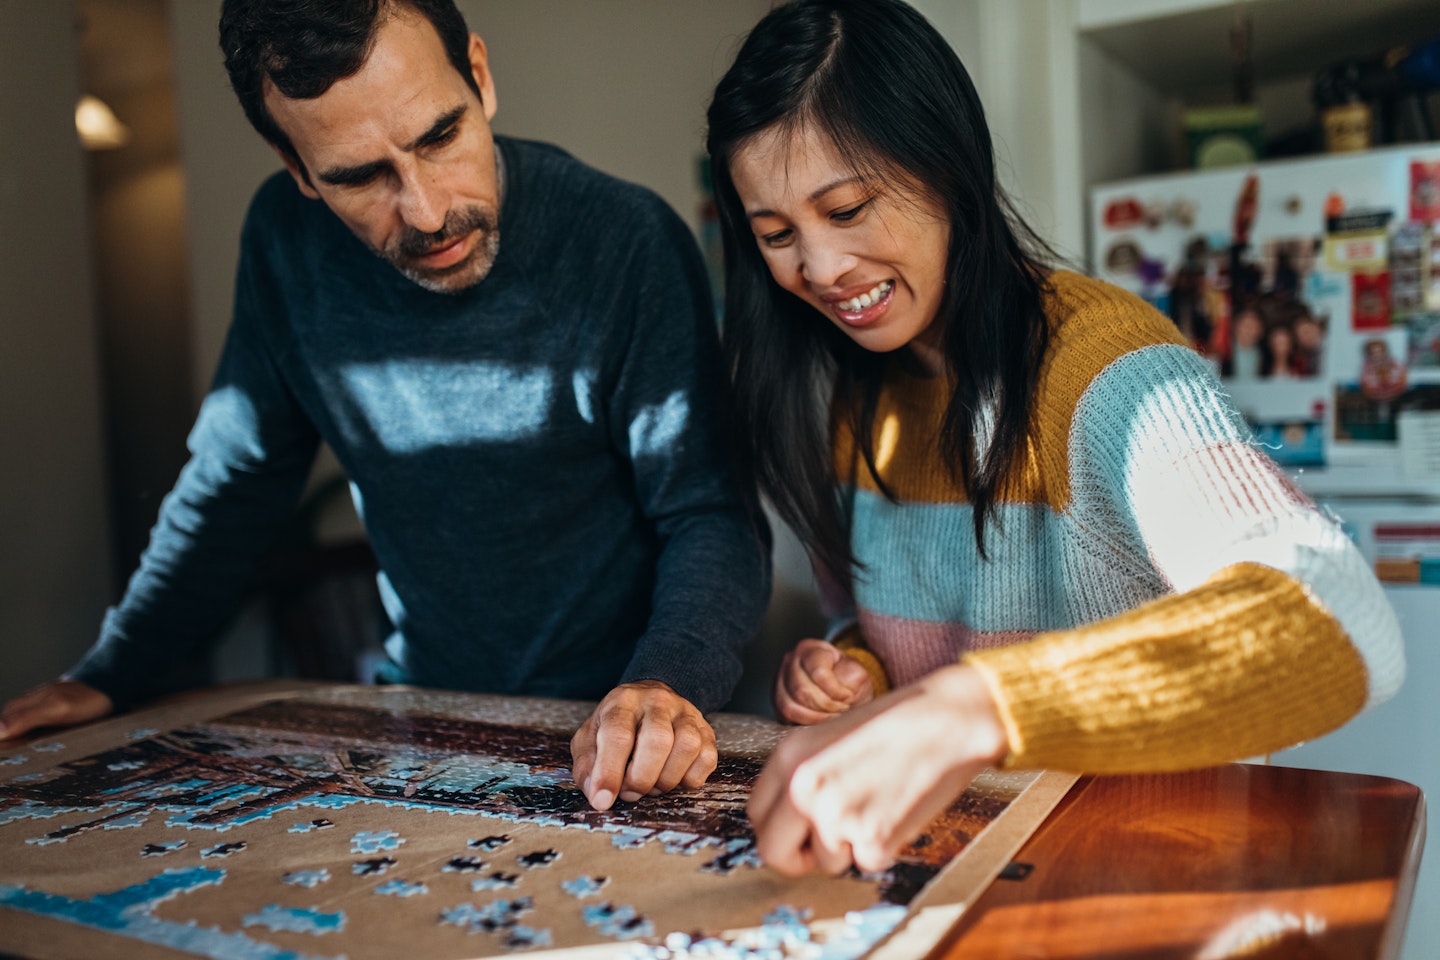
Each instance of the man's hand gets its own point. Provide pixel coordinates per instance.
(817, 680)
(60, 703)
(643, 738)
(857, 789)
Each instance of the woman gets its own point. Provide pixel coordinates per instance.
(1057, 544)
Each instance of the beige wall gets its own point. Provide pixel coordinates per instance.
(54, 529)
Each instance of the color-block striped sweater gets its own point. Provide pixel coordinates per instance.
(1157, 595)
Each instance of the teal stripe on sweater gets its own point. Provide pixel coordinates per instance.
(921, 562)
(1046, 570)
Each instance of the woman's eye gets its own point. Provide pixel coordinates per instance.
(845, 216)
(775, 239)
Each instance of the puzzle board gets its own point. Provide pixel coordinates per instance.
(343, 821)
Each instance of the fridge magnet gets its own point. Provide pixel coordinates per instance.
(1358, 240)
(1432, 270)
(1425, 190)
(1123, 257)
(1424, 331)
(1182, 213)
(1408, 248)
(1365, 408)
(1382, 368)
(1370, 309)
(1124, 213)
(1292, 443)
(1154, 214)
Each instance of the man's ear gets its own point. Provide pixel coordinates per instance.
(480, 70)
(298, 172)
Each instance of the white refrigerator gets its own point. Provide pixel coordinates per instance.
(1313, 287)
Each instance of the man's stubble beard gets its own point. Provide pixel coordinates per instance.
(401, 252)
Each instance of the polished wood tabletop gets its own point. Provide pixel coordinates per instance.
(1237, 861)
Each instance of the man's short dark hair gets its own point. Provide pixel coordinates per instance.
(305, 46)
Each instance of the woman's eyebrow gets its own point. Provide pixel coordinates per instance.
(815, 195)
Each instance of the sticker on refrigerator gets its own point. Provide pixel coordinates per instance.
(1425, 190)
(1358, 240)
(1370, 309)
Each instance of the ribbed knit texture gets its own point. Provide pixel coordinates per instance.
(1192, 605)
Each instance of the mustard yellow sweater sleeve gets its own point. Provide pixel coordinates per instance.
(1178, 683)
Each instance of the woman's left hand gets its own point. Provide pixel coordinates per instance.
(860, 786)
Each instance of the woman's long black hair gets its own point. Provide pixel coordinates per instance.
(887, 90)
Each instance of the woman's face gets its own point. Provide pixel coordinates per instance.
(1248, 328)
(868, 255)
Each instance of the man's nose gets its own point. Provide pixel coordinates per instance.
(423, 204)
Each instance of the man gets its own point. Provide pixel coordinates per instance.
(526, 405)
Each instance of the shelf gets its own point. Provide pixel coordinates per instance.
(1182, 46)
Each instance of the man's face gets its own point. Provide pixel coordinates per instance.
(402, 153)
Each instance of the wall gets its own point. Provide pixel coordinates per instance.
(54, 527)
(138, 230)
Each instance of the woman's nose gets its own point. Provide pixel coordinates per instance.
(823, 264)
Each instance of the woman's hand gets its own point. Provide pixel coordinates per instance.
(817, 680)
(859, 788)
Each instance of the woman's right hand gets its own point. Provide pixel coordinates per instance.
(817, 680)
(857, 789)
(61, 703)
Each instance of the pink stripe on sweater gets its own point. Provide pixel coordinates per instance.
(909, 649)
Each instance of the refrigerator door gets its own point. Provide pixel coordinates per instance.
(1322, 243)
(1284, 275)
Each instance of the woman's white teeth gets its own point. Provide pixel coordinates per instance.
(869, 297)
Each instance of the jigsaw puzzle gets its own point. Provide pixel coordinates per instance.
(381, 822)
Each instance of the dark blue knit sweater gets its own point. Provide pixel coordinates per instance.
(537, 460)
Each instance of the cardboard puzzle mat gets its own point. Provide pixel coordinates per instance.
(362, 822)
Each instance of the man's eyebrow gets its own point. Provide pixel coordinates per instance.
(438, 128)
(363, 172)
(360, 173)
(814, 195)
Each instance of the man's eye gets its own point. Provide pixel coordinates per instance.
(443, 138)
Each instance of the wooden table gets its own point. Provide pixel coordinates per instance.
(1241, 860)
(1237, 861)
